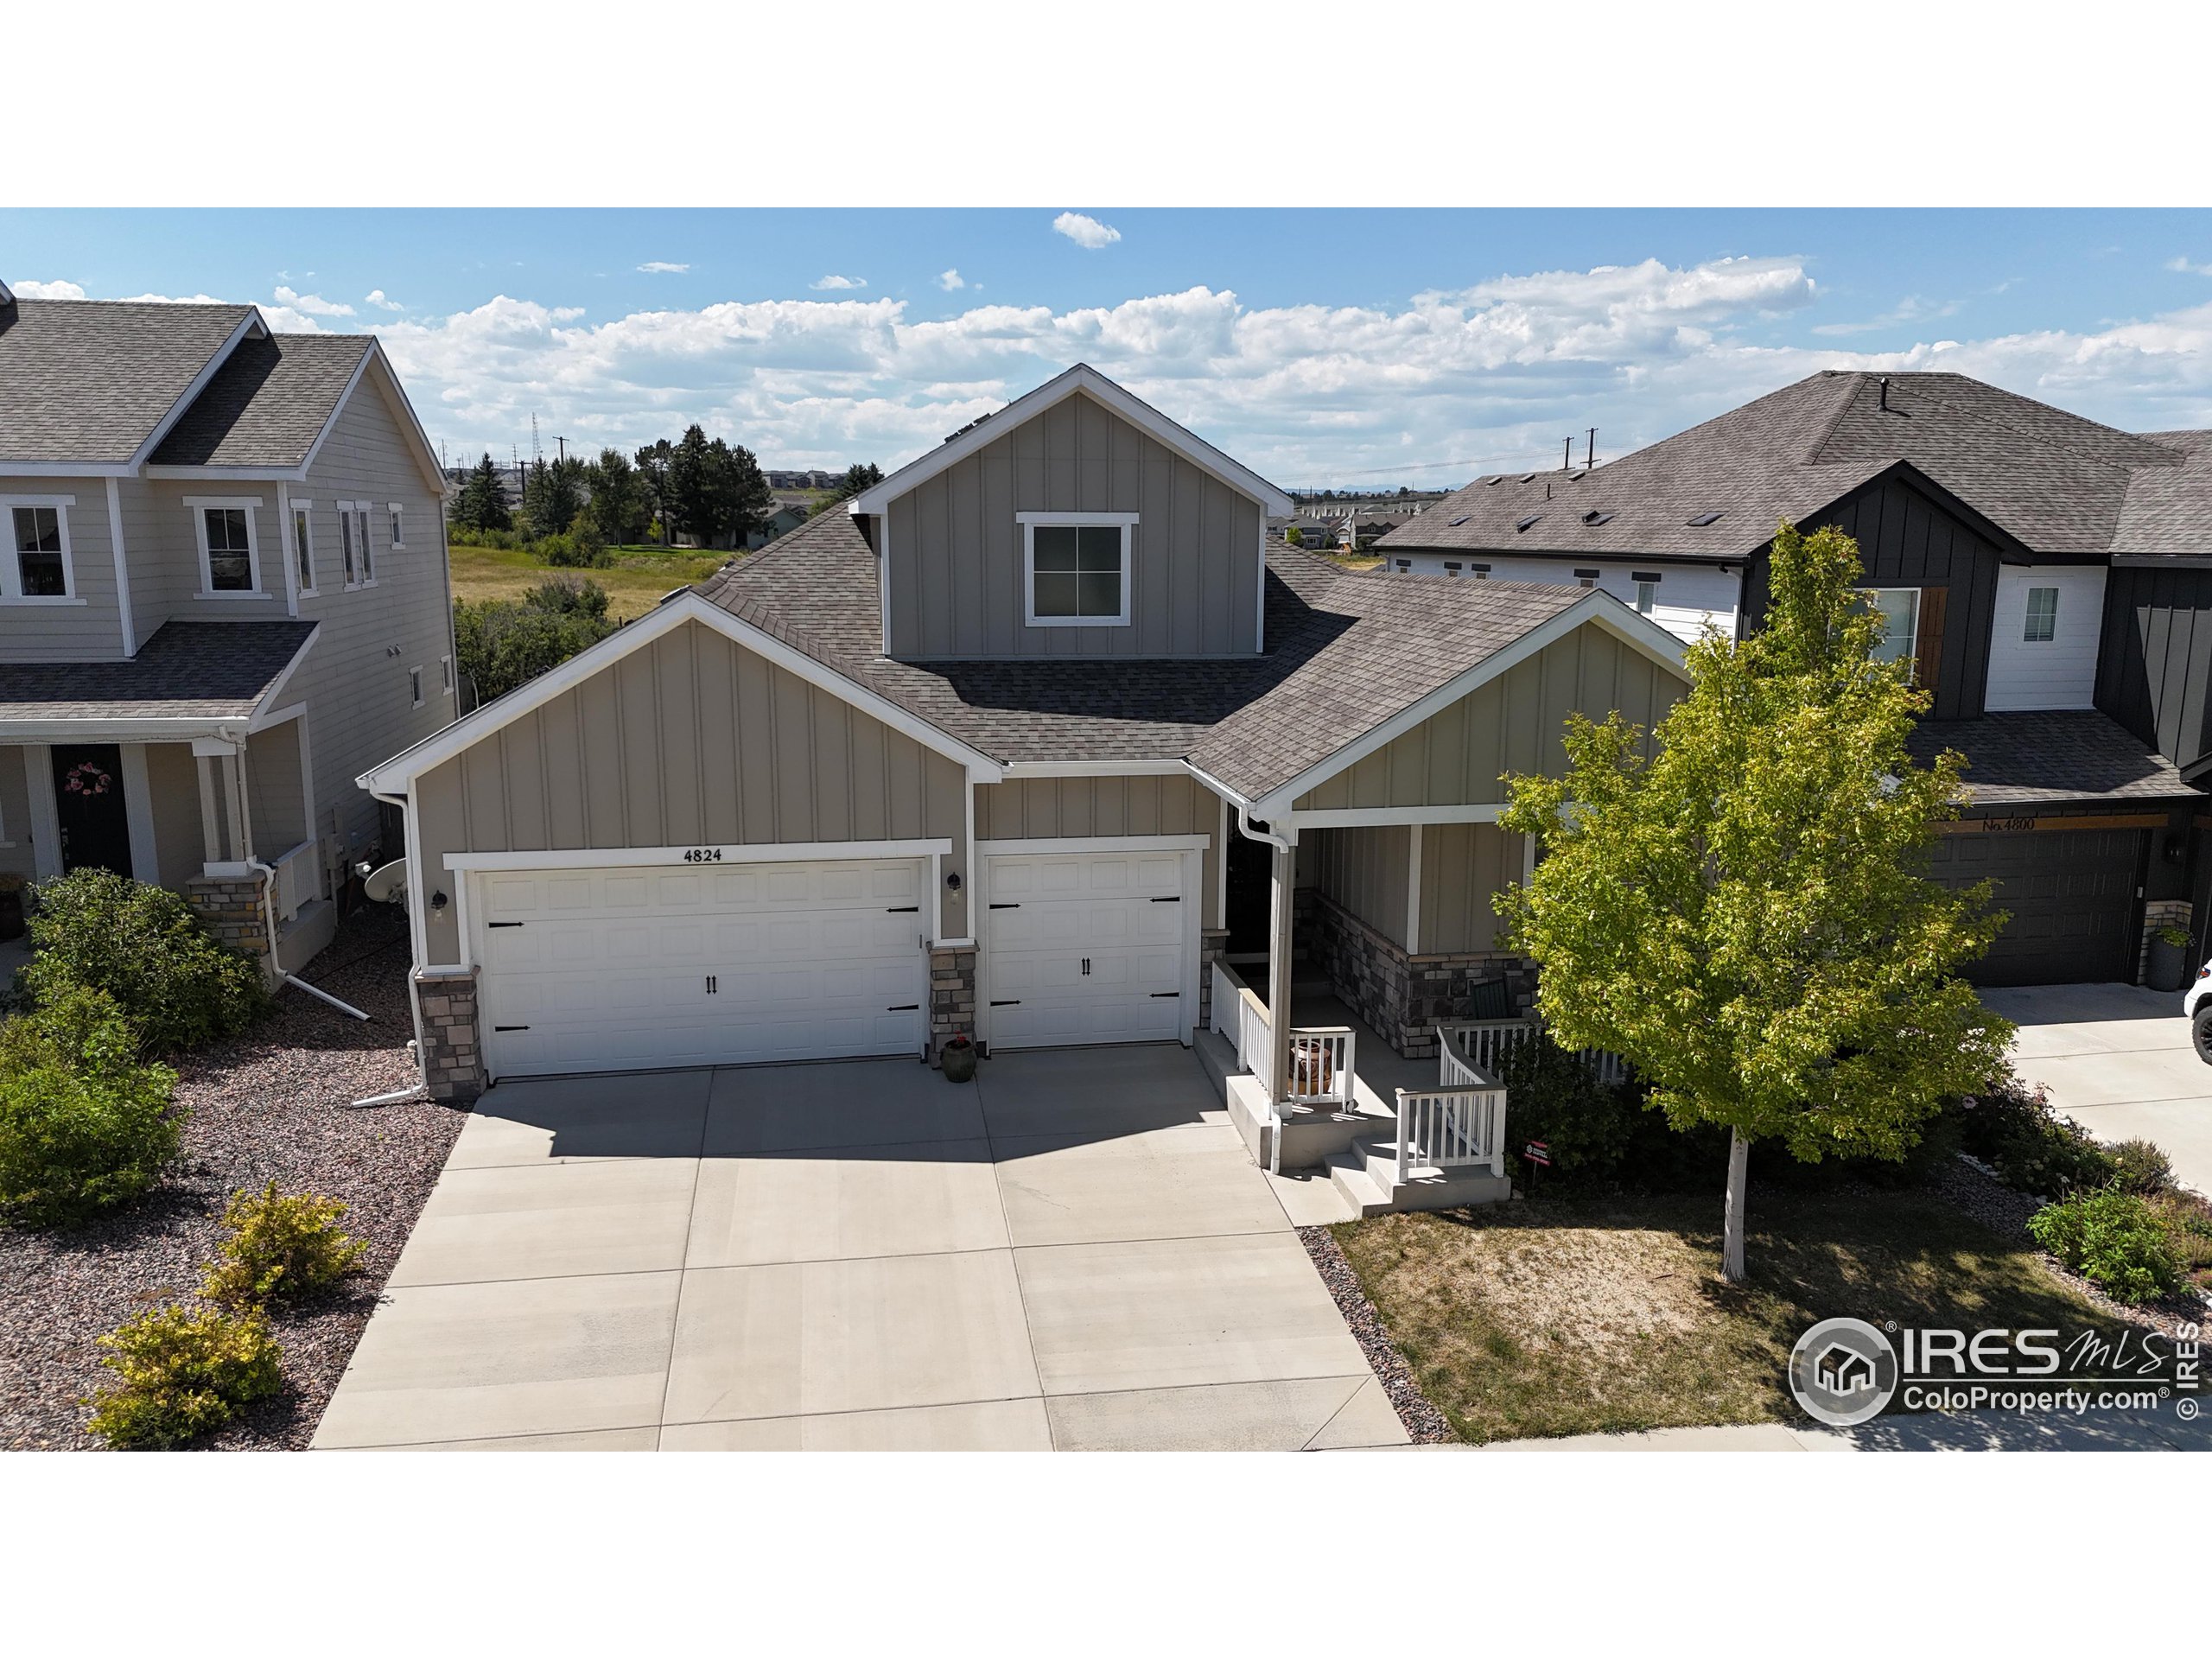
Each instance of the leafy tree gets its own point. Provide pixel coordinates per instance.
(618, 505)
(501, 643)
(483, 503)
(738, 500)
(1742, 915)
(655, 461)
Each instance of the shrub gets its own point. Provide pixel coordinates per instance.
(566, 595)
(84, 1126)
(2172, 935)
(282, 1247)
(173, 981)
(184, 1373)
(2114, 1240)
(1587, 1126)
(2139, 1167)
(2032, 1150)
(502, 644)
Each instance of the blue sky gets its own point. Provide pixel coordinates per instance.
(1346, 347)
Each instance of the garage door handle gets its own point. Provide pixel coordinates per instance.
(1009, 1002)
(1175, 899)
(510, 1028)
(900, 910)
(1006, 906)
(902, 1008)
(502, 924)
(1160, 994)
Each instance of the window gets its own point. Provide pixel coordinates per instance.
(1451, 569)
(2042, 616)
(39, 566)
(1900, 608)
(1704, 519)
(415, 686)
(1587, 578)
(362, 535)
(304, 544)
(229, 549)
(1480, 572)
(1078, 566)
(346, 558)
(1647, 595)
(1405, 564)
(399, 532)
(445, 675)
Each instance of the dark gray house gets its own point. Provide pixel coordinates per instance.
(2051, 577)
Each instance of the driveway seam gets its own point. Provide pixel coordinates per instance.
(1343, 1405)
(684, 1272)
(1020, 1290)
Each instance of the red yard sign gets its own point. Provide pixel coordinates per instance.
(1538, 1152)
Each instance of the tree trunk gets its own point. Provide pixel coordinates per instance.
(1732, 1230)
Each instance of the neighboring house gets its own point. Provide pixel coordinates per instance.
(223, 593)
(1018, 743)
(2051, 579)
(786, 517)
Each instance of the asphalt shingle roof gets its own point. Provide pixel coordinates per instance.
(89, 380)
(2059, 755)
(267, 404)
(2054, 482)
(187, 670)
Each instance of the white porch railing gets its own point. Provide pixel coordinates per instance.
(1320, 1067)
(1452, 1127)
(296, 880)
(1485, 1042)
(1256, 1049)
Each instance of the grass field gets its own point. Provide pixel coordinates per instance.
(634, 583)
(1576, 1317)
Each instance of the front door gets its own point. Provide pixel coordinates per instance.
(88, 804)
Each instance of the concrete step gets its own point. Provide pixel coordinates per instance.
(1348, 1174)
(1367, 1174)
(1218, 1055)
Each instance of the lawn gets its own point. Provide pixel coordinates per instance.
(635, 583)
(1585, 1316)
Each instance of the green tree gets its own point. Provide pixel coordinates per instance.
(551, 495)
(618, 504)
(656, 461)
(737, 498)
(1743, 914)
(501, 644)
(689, 462)
(483, 501)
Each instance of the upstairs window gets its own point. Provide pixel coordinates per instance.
(229, 552)
(1078, 568)
(398, 530)
(348, 561)
(1647, 595)
(361, 535)
(1899, 607)
(304, 544)
(2042, 616)
(40, 568)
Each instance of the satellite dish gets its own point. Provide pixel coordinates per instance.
(389, 884)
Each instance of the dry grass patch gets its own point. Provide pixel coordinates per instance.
(635, 582)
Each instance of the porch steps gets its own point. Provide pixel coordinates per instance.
(1217, 1055)
(1366, 1175)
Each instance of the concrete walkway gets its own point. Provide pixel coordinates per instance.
(1072, 1252)
(2117, 1059)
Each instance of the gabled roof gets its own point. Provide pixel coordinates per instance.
(97, 381)
(1085, 380)
(2047, 481)
(268, 403)
(198, 673)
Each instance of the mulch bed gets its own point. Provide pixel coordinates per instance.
(274, 1103)
(1423, 1421)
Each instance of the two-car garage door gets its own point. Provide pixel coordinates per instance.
(596, 969)
(2071, 896)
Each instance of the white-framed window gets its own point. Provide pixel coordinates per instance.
(230, 545)
(445, 675)
(40, 568)
(349, 547)
(1076, 569)
(1899, 607)
(361, 542)
(1478, 572)
(2042, 617)
(1647, 591)
(1405, 567)
(1451, 567)
(415, 686)
(303, 546)
(1587, 578)
(398, 528)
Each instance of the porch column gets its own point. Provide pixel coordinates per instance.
(1279, 943)
(211, 843)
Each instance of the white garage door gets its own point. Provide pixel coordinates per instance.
(1084, 948)
(608, 969)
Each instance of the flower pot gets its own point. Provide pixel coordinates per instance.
(2169, 966)
(958, 1060)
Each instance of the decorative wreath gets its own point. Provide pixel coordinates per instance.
(87, 779)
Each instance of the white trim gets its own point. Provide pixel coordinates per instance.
(394, 511)
(349, 566)
(1639, 632)
(265, 712)
(11, 571)
(1412, 890)
(296, 509)
(1030, 522)
(221, 743)
(1259, 599)
(128, 730)
(1083, 379)
(138, 814)
(248, 326)
(417, 695)
(446, 681)
(227, 475)
(883, 575)
(388, 777)
(72, 469)
(1354, 818)
(1034, 847)
(1017, 769)
(200, 506)
(122, 569)
(760, 852)
(46, 816)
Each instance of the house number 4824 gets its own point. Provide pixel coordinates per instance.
(702, 856)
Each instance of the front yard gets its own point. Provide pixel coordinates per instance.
(635, 582)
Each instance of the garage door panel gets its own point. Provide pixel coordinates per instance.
(1084, 948)
(2070, 895)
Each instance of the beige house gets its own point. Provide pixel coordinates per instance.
(1041, 742)
(222, 594)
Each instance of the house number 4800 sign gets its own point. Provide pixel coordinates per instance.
(702, 856)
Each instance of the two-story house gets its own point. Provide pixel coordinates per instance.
(2049, 577)
(223, 592)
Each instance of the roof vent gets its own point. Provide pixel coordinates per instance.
(1597, 517)
(1530, 520)
(1574, 478)
(1525, 477)
(1456, 522)
(1709, 517)
(1500, 479)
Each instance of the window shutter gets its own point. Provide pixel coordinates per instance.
(1928, 649)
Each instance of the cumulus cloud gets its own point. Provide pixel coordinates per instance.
(2182, 262)
(312, 305)
(1911, 308)
(834, 281)
(54, 290)
(1449, 383)
(376, 297)
(663, 267)
(1084, 230)
(951, 281)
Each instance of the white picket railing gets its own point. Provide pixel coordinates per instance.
(296, 880)
(1451, 1128)
(1320, 1066)
(1256, 1049)
(1222, 1015)
(1485, 1042)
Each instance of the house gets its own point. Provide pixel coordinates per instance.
(1025, 743)
(786, 516)
(2051, 578)
(223, 593)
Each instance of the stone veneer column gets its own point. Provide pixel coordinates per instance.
(234, 909)
(952, 996)
(1403, 997)
(452, 1049)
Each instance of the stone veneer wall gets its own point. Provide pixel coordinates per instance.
(452, 1049)
(1403, 997)
(952, 996)
(235, 911)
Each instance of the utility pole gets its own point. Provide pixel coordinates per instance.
(562, 444)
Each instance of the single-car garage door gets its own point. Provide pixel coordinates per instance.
(1084, 948)
(2071, 896)
(610, 969)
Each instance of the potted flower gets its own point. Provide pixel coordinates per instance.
(2169, 966)
(957, 1057)
(12, 906)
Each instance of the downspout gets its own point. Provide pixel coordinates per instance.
(414, 1004)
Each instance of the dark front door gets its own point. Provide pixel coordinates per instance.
(88, 802)
(1251, 896)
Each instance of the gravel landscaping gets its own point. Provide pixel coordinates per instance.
(276, 1103)
(1422, 1421)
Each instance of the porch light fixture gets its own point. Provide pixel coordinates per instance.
(438, 902)
(952, 880)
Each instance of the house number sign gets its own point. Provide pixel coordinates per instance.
(702, 854)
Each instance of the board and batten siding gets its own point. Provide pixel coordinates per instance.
(956, 568)
(1046, 809)
(1463, 866)
(1364, 869)
(1512, 723)
(691, 739)
(2154, 667)
(91, 628)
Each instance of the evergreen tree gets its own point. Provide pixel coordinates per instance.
(737, 498)
(618, 504)
(654, 461)
(688, 464)
(483, 501)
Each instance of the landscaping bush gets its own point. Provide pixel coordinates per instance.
(2114, 1239)
(2139, 1167)
(568, 595)
(579, 545)
(84, 1126)
(282, 1247)
(173, 981)
(502, 644)
(1587, 1126)
(2032, 1150)
(184, 1373)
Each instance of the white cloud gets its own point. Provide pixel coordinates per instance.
(1084, 230)
(951, 281)
(376, 297)
(54, 290)
(1452, 383)
(834, 281)
(312, 305)
(1911, 308)
(2181, 262)
(662, 268)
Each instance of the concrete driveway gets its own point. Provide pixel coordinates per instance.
(2117, 1059)
(1073, 1252)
